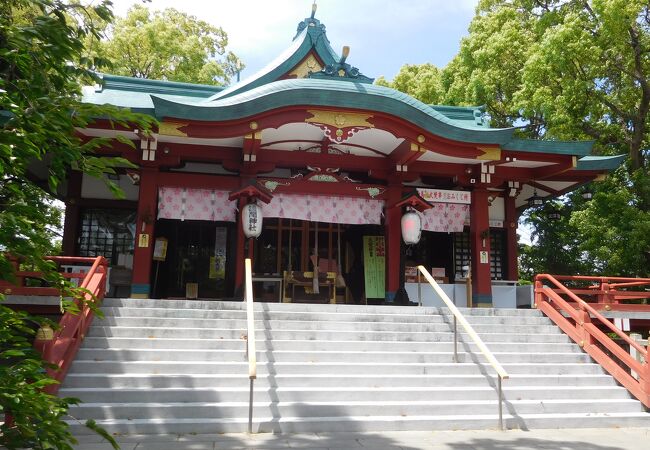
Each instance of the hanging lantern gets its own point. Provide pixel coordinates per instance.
(251, 215)
(554, 214)
(535, 200)
(411, 227)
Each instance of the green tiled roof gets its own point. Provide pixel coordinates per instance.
(130, 84)
(329, 93)
(577, 148)
(599, 163)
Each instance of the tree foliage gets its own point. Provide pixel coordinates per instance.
(420, 81)
(567, 69)
(42, 66)
(167, 45)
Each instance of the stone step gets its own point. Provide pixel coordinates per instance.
(321, 335)
(261, 316)
(272, 326)
(184, 380)
(315, 393)
(343, 356)
(160, 410)
(313, 308)
(341, 423)
(217, 367)
(179, 366)
(304, 345)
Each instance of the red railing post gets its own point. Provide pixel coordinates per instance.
(586, 337)
(644, 376)
(538, 292)
(605, 296)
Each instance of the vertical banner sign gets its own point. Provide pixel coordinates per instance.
(218, 261)
(374, 260)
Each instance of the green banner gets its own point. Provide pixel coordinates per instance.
(374, 260)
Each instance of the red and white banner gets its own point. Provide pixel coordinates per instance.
(445, 217)
(205, 204)
(195, 204)
(319, 208)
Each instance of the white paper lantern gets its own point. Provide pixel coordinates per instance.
(251, 215)
(411, 228)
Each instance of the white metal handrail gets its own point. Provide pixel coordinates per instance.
(250, 340)
(458, 316)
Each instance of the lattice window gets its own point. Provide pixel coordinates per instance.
(108, 233)
(497, 254)
(463, 252)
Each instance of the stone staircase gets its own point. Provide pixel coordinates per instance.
(177, 366)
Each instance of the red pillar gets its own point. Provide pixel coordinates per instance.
(72, 214)
(142, 262)
(480, 243)
(393, 236)
(512, 218)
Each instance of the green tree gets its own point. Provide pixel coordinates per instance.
(42, 66)
(167, 45)
(420, 81)
(568, 69)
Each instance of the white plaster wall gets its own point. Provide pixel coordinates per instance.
(497, 210)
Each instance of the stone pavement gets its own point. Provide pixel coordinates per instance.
(564, 439)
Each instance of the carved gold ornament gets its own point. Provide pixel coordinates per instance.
(337, 125)
(489, 154)
(307, 65)
(172, 129)
(340, 119)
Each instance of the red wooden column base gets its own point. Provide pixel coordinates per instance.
(393, 240)
(144, 236)
(480, 244)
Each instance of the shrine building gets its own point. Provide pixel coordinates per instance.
(330, 163)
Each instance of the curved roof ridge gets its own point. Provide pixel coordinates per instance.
(329, 93)
(310, 37)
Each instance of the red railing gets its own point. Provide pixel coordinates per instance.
(62, 349)
(609, 293)
(583, 323)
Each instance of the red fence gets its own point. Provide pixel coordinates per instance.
(62, 349)
(581, 321)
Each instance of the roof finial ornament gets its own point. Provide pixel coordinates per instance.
(344, 54)
(314, 7)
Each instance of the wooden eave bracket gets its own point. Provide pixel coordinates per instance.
(414, 201)
(252, 191)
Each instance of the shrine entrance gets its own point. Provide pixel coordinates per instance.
(289, 251)
(198, 262)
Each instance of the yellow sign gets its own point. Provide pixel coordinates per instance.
(143, 241)
(160, 249)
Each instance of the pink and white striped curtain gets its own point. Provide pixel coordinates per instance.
(319, 208)
(445, 217)
(195, 204)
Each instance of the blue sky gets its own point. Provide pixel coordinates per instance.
(382, 35)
